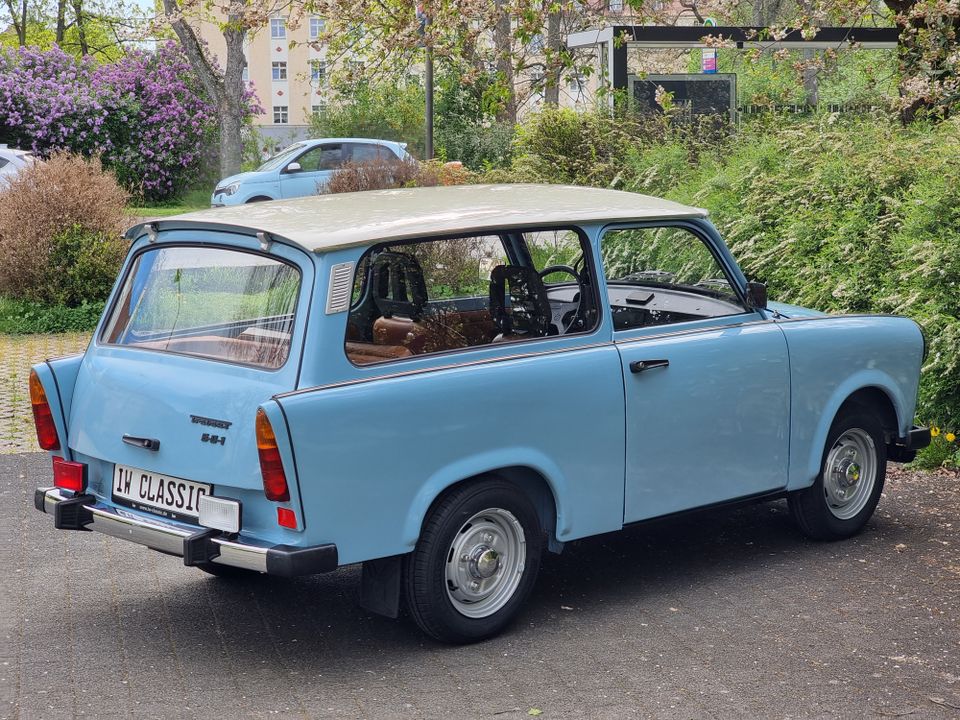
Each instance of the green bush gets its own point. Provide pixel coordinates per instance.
(845, 215)
(375, 110)
(60, 233)
(22, 317)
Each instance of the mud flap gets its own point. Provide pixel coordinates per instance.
(380, 586)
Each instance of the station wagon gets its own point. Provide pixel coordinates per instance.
(444, 383)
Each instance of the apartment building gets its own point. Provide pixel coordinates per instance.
(287, 71)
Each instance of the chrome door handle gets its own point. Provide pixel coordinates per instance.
(638, 366)
(145, 443)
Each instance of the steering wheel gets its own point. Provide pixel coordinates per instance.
(565, 314)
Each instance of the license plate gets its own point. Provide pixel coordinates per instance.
(171, 497)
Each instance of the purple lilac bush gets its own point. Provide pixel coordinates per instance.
(146, 115)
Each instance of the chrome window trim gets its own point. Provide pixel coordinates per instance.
(436, 368)
(689, 331)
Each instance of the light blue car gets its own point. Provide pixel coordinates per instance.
(302, 168)
(444, 383)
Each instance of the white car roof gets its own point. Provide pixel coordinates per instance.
(327, 222)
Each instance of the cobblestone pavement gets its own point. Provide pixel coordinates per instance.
(17, 354)
(719, 615)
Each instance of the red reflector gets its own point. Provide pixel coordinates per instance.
(271, 466)
(42, 417)
(286, 518)
(69, 475)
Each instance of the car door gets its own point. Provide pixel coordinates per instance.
(316, 166)
(706, 380)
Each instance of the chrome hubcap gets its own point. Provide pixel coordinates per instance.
(485, 563)
(850, 473)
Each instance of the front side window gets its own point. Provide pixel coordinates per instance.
(453, 294)
(664, 275)
(210, 302)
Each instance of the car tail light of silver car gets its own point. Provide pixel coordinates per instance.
(69, 475)
(271, 465)
(42, 415)
(220, 513)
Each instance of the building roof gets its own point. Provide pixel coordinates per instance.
(327, 222)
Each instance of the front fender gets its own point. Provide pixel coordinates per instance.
(860, 380)
(480, 464)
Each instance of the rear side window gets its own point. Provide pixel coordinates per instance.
(441, 295)
(211, 302)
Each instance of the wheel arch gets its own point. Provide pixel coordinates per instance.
(878, 394)
(543, 487)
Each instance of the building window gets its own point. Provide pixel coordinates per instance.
(279, 70)
(318, 73)
(245, 75)
(281, 114)
(317, 109)
(615, 5)
(576, 83)
(355, 67)
(536, 44)
(317, 26)
(278, 28)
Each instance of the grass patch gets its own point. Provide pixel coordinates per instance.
(189, 201)
(22, 317)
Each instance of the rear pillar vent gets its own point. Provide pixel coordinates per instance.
(341, 284)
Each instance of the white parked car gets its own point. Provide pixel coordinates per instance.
(13, 161)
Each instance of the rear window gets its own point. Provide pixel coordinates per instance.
(211, 302)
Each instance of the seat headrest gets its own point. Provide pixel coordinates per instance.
(398, 285)
(529, 305)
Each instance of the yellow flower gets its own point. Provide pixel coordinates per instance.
(934, 431)
(950, 437)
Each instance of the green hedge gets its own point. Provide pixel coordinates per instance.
(842, 215)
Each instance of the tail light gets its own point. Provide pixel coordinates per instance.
(42, 416)
(271, 467)
(69, 475)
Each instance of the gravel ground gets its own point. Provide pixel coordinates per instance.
(719, 615)
(17, 354)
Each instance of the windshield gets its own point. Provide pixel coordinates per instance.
(215, 303)
(282, 157)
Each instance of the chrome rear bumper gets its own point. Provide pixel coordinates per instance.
(194, 546)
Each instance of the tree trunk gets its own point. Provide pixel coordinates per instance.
(226, 90)
(231, 106)
(503, 44)
(61, 21)
(81, 30)
(19, 19)
(551, 93)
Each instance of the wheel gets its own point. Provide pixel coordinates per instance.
(475, 562)
(226, 571)
(848, 488)
(258, 198)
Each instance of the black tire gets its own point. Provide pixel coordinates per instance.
(258, 198)
(227, 572)
(818, 511)
(459, 519)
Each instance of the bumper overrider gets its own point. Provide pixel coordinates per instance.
(204, 546)
(905, 448)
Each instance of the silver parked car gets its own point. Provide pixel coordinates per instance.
(13, 161)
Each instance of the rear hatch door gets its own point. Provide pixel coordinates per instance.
(195, 338)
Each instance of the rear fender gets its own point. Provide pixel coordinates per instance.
(483, 463)
(58, 377)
